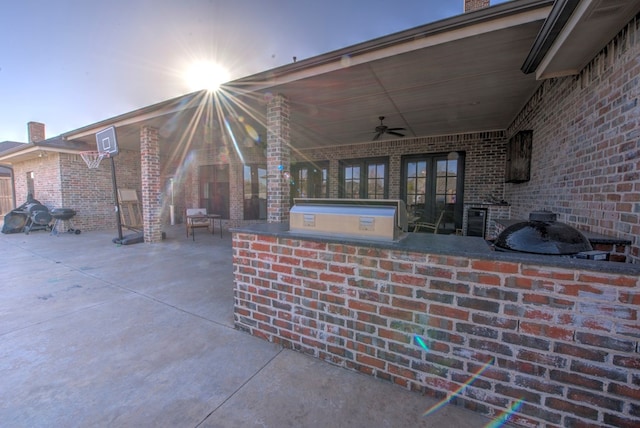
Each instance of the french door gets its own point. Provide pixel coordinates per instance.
(364, 178)
(432, 186)
(214, 189)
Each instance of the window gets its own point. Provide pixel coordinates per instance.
(30, 184)
(364, 179)
(255, 192)
(309, 180)
(433, 184)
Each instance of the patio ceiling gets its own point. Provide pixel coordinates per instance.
(457, 75)
(466, 85)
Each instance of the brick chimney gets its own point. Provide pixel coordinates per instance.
(35, 131)
(471, 5)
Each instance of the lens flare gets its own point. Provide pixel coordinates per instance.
(441, 404)
(420, 342)
(503, 417)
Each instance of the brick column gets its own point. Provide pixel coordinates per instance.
(151, 186)
(278, 160)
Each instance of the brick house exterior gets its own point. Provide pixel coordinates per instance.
(62, 180)
(585, 162)
(564, 339)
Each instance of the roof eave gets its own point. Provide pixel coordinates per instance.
(560, 14)
(503, 10)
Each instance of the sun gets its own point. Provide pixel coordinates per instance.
(207, 75)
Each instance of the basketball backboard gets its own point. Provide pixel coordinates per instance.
(106, 141)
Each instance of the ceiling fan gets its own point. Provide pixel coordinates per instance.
(383, 129)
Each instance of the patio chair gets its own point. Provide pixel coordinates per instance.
(420, 225)
(195, 218)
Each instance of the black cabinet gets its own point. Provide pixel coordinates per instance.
(476, 222)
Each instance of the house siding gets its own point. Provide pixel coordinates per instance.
(586, 145)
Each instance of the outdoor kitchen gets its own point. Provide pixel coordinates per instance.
(347, 283)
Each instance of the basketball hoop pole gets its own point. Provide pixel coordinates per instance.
(107, 143)
(115, 197)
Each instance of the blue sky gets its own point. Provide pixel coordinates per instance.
(71, 63)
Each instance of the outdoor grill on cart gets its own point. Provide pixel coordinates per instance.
(62, 216)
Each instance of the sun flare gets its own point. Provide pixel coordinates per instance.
(205, 75)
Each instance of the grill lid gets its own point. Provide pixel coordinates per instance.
(542, 234)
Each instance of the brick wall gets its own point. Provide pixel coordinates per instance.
(63, 180)
(564, 340)
(46, 181)
(484, 165)
(586, 145)
(151, 190)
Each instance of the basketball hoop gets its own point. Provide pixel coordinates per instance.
(92, 158)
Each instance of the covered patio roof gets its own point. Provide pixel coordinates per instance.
(460, 74)
(472, 72)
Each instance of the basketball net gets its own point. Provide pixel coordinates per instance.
(92, 158)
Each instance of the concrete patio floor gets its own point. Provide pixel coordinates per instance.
(97, 334)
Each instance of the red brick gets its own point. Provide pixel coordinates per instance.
(396, 266)
(621, 281)
(282, 269)
(449, 312)
(549, 331)
(344, 270)
(494, 266)
(260, 246)
(305, 254)
(289, 260)
(361, 306)
(624, 391)
(394, 335)
(519, 282)
(434, 271)
(402, 372)
(373, 252)
(412, 305)
(630, 298)
(396, 313)
(321, 246)
(538, 314)
(571, 408)
(408, 279)
(333, 278)
(370, 361)
(458, 262)
(544, 273)
(314, 264)
(373, 274)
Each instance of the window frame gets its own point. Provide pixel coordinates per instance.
(363, 176)
(254, 209)
(454, 210)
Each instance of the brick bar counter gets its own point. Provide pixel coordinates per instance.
(431, 311)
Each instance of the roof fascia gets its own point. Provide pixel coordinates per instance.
(553, 26)
(494, 18)
(173, 105)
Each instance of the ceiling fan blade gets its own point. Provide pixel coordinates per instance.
(395, 133)
(396, 129)
(377, 136)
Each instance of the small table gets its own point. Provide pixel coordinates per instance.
(210, 218)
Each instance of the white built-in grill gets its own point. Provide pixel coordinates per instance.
(375, 219)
